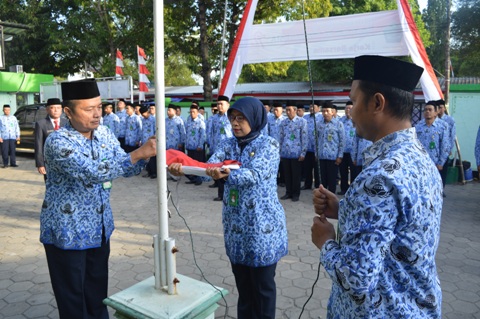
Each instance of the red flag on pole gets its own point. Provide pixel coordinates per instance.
(119, 64)
(142, 70)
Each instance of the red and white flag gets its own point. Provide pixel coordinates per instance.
(142, 73)
(119, 64)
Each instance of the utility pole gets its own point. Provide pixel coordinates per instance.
(447, 54)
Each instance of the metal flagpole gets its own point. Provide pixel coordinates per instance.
(159, 241)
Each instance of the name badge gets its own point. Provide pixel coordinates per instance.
(233, 198)
(107, 185)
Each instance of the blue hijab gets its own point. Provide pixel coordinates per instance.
(256, 115)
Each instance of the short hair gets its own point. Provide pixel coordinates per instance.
(399, 102)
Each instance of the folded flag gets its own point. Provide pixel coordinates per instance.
(194, 167)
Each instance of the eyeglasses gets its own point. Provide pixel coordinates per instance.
(238, 118)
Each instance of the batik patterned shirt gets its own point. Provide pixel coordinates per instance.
(77, 198)
(274, 126)
(349, 133)
(148, 128)
(477, 148)
(451, 131)
(133, 134)
(311, 129)
(122, 128)
(253, 219)
(331, 139)
(195, 134)
(9, 129)
(175, 132)
(221, 130)
(359, 146)
(112, 122)
(434, 139)
(293, 138)
(383, 265)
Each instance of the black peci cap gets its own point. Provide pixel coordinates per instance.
(392, 72)
(223, 98)
(54, 101)
(80, 90)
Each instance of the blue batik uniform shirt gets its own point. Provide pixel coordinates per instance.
(195, 134)
(112, 122)
(383, 265)
(133, 134)
(359, 145)
(349, 133)
(122, 116)
(274, 126)
(434, 139)
(293, 138)
(451, 131)
(311, 129)
(175, 132)
(331, 139)
(221, 130)
(77, 208)
(477, 148)
(148, 128)
(9, 129)
(254, 224)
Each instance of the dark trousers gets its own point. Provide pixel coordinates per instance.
(443, 172)
(8, 149)
(198, 156)
(79, 280)
(357, 169)
(346, 167)
(122, 142)
(152, 166)
(329, 172)
(221, 187)
(280, 175)
(292, 169)
(129, 148)
(311, 165)
(257, 293)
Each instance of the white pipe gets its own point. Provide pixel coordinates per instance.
(156, 262)
(161, 144)
(171, 266)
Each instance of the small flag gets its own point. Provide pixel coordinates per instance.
(119, 64)
(142, 70)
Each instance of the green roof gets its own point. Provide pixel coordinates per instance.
(22, 82)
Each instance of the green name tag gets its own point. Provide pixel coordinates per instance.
(432, 145)
(292, 137)
(107, 185)
(233, 198)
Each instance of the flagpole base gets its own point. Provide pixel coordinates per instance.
(195, 299)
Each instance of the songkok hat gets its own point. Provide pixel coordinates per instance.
(434, 103)
(223, 98)
(201, 108)
(194, 106)
(6, 105)
(392, 72)
(349, 103)
(329, 105)
(143, 109)
(291, 103)
(440, 102)
(172, 106)
(214, 105)
(54, 101)
(300, 106)
(80, 90)
(277, 104)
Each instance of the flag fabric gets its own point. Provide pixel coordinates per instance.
(387, 33)
(142, 71)
(430, 86)
(194, 167)
(119, 64)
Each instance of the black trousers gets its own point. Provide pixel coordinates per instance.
(198, 156)
(292, 169)
(8, 149)
(346, 167)
(280, 175)
(129, 148)
(257, 292)
(122, 142)
(443, 172)
(152, 166)
(329, 172)
(79, 280)
(310, 165)
(357, 169)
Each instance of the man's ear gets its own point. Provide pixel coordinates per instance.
(379, 102)
(67, 111)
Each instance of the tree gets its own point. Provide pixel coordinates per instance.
(466, 34)
(435, 17)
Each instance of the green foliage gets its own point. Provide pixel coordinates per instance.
(466, 34)
(435, 17)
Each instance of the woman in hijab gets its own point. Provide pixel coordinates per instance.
(254, 224)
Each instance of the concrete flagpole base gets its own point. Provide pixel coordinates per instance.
(195, 299)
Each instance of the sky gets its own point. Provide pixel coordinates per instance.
(422, 4)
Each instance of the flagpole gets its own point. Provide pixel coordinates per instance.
(161, 261)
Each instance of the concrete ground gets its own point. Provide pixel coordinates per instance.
(25, 290)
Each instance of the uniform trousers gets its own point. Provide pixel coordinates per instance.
(79, 280)
(8, 149)
(346, 167)
(257, 292)
(122, 142)
(198, 156)
(292, 169)
(357, 169)
(329, 172)
(443, 172)
(311, 166)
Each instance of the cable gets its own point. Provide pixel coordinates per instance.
(193, 249)
(311, 294)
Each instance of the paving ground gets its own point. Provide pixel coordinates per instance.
(25, 290)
